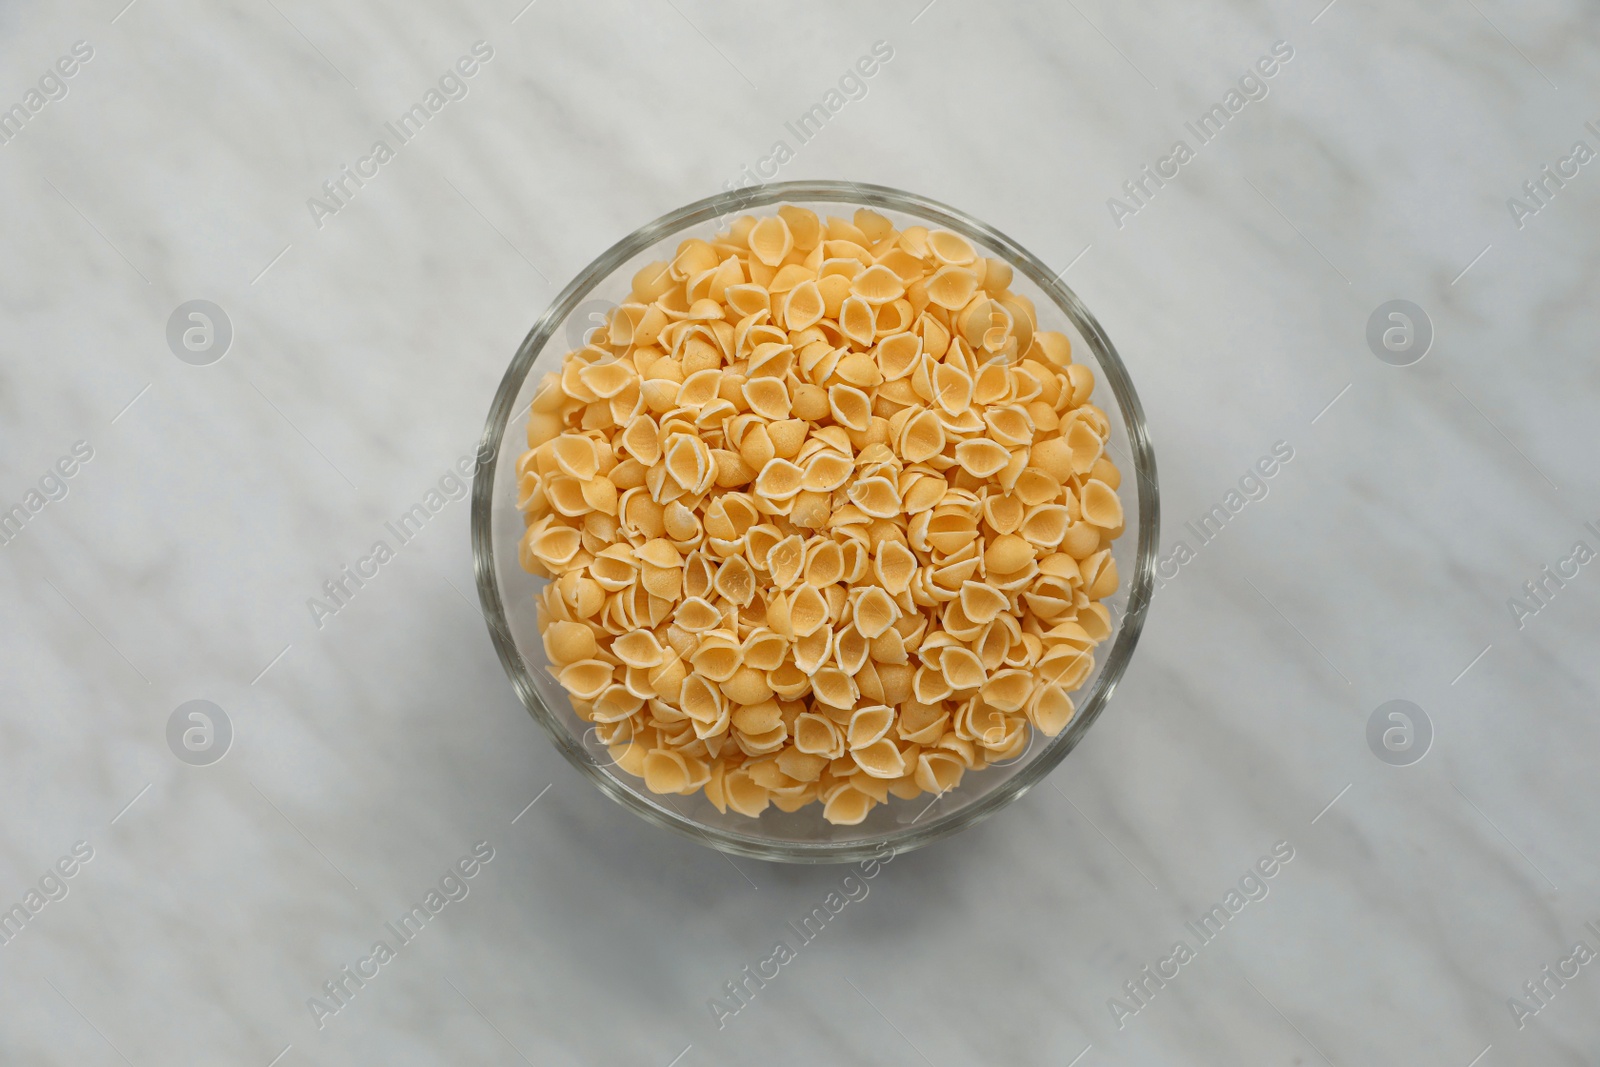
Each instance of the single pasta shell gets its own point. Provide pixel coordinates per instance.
(770, 240)
(818, 736)
(665, 771)
(951, 287)
(767, 397)
(827, 471)
(922, 438)
(1084, 446)
(575, 456)
(875, 613)
(802, 306)
(824, 563)
(568, 642)
(981, 603)
(882, 759)
(949, 247)
(779, 480)
(1007, 554)
(847, 807)
(939, 771)
(834, 688)
(961, 667)
(850, 653)
(638, 649)
(850, 407)
(878, 285)
(980, 458)
(758, 718)
(893, 564)
(585, 679)
(897, 355)
(1008, 690)
(858, 321)
(1101, 505)
(696, 615)
(1050, 709)
(869, 725)
(807, 611)
(877, 497)
(743, 795)
(813, 650)
(952, 388)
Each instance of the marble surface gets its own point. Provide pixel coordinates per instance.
(372, 753)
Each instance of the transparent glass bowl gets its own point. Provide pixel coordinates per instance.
(507, 591)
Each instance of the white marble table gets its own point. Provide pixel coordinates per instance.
(373, 751)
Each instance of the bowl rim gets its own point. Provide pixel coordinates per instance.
(862, 194)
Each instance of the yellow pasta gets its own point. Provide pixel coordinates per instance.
(826, 518)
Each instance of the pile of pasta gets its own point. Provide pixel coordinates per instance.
(826, 517)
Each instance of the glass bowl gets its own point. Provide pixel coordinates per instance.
(507, 591)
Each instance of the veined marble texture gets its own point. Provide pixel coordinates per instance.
(1383, 159)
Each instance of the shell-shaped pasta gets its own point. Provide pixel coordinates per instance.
(758, 718)
(609, 378)
(767, 397)
(769, 360)
(817, 735)
(784, 560)
(893, 564)
(585, 679)
(1083, 446)
(981, 603)
(665, 771)
(898, 354)
(850, 652)
(947, 247)
(808, 611)
(770, 240)
(743, 795)
(961, 667)
(568, 642)
(717, 657)
(939, 771)
(881, 759)
(1007, 554)
(696, 615)
(1050, 709)
(1045, 526)
(877, 497)
(824, 563)
(869, 725)
(922, 438)
(875, 612)
(858, 321)
(847, 807)
(878, 285)
(638, 649)
(748, 686)
(929, 685)
(813, 650)
(981, 458)
(736, 581)
(701, 699)
(575, 456)
(779, 480)
(827, 470)
(802, 306)
(615, 704)
(764, 650)
(1010, 425)
(952, 388)
(951, 287)
(849, 406)
(1009, 689)
(834, 688)
(1100, 504)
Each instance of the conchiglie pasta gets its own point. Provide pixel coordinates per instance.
(825, 518)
